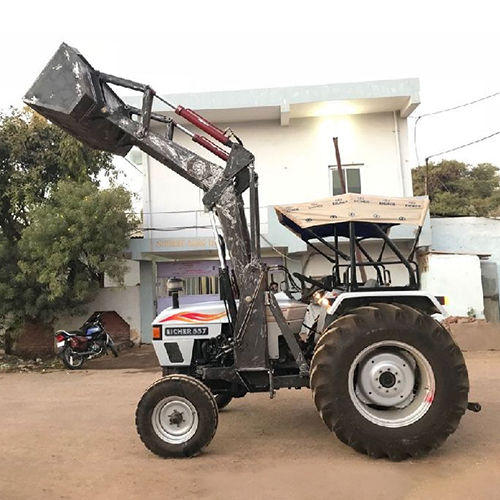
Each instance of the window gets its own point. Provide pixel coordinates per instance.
(193, 285)
(201, 285)
(352, 177)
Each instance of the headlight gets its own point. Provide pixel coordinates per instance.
(325, 302)
(317, 296)
(328, 298)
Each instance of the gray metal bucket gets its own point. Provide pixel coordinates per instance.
(69, 94)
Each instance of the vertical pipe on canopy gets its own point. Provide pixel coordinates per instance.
(357, 253)
(339, 164)
(353, 285)
(337, 266)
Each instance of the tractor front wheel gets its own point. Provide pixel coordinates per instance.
(389, 381)
(177, 416)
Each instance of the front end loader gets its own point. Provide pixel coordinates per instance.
(385, 375)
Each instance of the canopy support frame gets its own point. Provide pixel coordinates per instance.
(350, 281)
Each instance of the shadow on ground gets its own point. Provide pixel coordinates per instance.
(141, 357)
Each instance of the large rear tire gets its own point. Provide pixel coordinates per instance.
(177, 416)
(389, 381)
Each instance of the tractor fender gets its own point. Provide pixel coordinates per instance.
(419, 299)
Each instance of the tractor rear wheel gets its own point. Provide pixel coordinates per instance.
(389, 381)
(177, 416)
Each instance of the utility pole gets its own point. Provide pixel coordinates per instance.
(427, 176)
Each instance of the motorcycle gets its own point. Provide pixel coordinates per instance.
(90, 341)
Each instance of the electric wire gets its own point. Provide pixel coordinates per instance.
(460, 105)
(453, 108)
(481, 139)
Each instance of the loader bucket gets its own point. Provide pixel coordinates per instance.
(68, 93)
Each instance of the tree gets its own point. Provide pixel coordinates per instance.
(457, 189)
(59, 233)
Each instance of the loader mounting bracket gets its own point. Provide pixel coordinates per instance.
(288, 335)
(236, 169)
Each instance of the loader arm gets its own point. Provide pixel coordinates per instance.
(72, 94)
(203, 174)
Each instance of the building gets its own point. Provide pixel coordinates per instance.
(467, 255)
(290, 131)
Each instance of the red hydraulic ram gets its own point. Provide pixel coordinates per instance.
(200, 122)
(206, 143)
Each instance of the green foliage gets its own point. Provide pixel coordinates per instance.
(59, 233)
(34, 157)
(456, 189)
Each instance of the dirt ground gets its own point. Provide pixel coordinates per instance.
(71, 435)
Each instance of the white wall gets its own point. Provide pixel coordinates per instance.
(123, 300)
(292, 161)
(467, 234)
(130, 278)
(456, 277)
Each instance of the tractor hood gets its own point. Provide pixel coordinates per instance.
(206, 312)
(203, 312)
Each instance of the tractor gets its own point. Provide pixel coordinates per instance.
(385, 375)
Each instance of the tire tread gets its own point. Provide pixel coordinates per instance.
(346, 330)
(183, 450)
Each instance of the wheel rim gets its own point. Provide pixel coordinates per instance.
(391, 384)
(175, 420)
(73, 359)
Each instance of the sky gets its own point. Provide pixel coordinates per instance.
(451, 46)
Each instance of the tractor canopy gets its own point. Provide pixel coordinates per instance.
(331, 216)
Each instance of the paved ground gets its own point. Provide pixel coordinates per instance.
(71, 435)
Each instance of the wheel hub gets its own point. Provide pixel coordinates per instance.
(175, 419)
(386, 379)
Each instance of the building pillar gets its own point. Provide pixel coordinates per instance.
(147, 298)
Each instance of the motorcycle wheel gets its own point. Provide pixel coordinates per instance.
(72, 360)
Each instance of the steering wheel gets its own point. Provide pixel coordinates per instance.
(312, 281)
